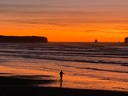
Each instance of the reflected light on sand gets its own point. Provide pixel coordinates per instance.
(84, 82)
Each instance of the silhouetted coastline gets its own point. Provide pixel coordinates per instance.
(23, 39)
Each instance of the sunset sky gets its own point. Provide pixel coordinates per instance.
(66, 20)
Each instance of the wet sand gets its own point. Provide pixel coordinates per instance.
(25, 85)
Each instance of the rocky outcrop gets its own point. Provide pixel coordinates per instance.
(126, 40)
(22, 39)
(96, 41)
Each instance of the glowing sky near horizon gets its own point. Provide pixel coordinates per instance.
(66, 20)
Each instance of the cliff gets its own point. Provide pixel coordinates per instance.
(22, 39)
(126, 40)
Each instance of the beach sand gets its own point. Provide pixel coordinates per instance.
(26, 82)
(27, 86)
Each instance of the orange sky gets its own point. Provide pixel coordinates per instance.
(66, 21)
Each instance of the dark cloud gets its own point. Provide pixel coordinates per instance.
(57, 22)
(91, 31)
(121, 27)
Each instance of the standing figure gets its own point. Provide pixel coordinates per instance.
(61, 74)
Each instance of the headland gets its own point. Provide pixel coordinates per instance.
(23, 39)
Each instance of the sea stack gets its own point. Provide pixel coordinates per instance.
(23, 39)
(96, 41)
(126, 40)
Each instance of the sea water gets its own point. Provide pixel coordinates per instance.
(86, 65)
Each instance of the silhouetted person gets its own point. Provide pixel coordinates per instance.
(61, 74)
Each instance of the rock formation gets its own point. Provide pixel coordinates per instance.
(126, 40)
(96, 41)
(22, 39)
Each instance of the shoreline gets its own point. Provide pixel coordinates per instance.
(27, 86)
(71, 82)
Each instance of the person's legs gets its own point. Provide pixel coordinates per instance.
(60, 77)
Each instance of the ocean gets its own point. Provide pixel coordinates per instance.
(86, 65)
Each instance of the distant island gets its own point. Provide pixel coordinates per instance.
(126, 40)
(23, 39)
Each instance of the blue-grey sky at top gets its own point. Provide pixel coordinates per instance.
(57, 11)
(72, 5)
(102, 16)
(86, 5)
(67, 2)
(68, 7)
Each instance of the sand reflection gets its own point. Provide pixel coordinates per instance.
(61, 83)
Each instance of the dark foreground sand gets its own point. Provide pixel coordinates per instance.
(27, 86)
